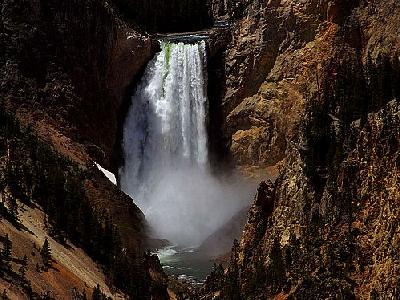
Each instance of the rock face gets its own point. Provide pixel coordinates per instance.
(341, 243)
(318, 92)
(66, 69)
(271, 67)
(265, 89)
(74, 61)
(309, 88)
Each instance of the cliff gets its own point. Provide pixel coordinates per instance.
(66, 71)
(312, 87)
(305, 93)
(69, 66)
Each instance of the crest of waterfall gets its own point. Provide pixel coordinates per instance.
(165, 146)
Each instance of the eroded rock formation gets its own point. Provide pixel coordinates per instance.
(308, 90)
(313, 86)
(73, 62)
(66, 68)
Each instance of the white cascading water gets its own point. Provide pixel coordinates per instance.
(165, 149)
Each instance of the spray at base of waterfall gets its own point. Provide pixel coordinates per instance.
(166, 166)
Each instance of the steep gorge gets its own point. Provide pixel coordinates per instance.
(302, 92)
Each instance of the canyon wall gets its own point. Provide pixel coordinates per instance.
(312, 87)
(66, 71)
(305, 92)
(74, 62)
(265, 90)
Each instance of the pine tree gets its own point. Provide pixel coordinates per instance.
(3, 210)
(24, 266)
(232, 289)
(45, 252)
(276, 270)
(45, 296)
(4, 296)
(7, 251)
(98, 294)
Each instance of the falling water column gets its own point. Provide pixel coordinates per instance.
(165, 138)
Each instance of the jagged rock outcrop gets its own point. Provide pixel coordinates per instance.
(307, 87)
(66, 73)
(271, 67)
(319, 93)
(69, 66)
(272, 85)
(342, 243)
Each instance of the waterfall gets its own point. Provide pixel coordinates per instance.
(165, 148)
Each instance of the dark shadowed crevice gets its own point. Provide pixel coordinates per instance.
(167, 15)
(117, 159)
(218, 143)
